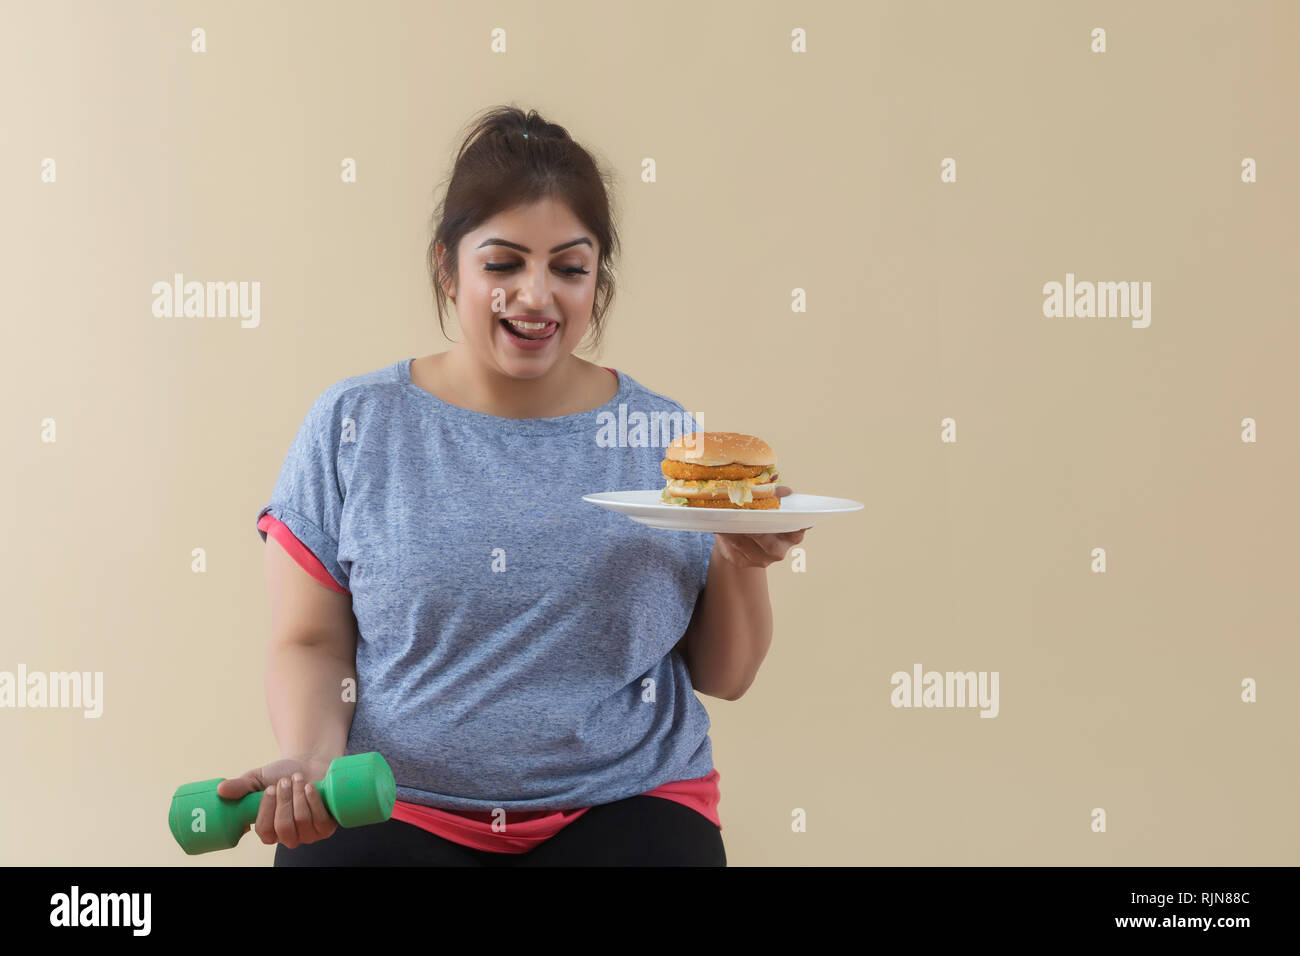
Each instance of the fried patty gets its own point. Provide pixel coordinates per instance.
(758, 504)
(687, 472)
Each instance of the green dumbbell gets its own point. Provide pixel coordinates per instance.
(357, 790)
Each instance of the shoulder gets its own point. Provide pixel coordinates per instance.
(643, 398)
(354, 393)
(645, 395)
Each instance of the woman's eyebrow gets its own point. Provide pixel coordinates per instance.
(515, 245)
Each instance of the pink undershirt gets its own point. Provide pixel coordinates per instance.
(525, 829)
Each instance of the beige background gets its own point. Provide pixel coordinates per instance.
(776, 171)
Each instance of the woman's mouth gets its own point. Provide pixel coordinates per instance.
(530, 334)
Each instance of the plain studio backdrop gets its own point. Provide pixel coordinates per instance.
(793, 148)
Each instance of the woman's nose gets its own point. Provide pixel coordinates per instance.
(535, 290)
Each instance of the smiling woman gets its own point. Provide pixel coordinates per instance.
(525, 304)
(522, 246)
(508, 160)
(518, 653)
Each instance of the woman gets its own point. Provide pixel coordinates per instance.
(525, 661)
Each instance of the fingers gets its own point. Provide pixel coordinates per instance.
(302, 815)
(285, 829)
(775, 546)
(291, 815)
(313, 823)
(265, 825)
(759, 550)
(232, 788)
(787, 541)
(288, 812)
(325, 824)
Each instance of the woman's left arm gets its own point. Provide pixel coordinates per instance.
(731, 628)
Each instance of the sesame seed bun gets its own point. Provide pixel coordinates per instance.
(720, 470)
(720, 448)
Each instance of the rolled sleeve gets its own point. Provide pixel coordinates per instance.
(308, 497)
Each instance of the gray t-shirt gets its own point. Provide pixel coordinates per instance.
(516, 642)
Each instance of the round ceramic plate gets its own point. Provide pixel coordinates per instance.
(796, 511)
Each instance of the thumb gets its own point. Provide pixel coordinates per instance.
(232, 788)
(783, 490)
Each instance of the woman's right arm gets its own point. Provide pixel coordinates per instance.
(313, 650)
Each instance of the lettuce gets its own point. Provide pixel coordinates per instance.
(671, 499)
(739, 490)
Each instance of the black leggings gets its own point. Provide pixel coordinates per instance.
(638, 831)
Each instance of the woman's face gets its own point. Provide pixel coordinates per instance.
(533, 263)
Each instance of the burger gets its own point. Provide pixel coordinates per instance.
(720, 470)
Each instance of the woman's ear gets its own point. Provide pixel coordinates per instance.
(448, 285)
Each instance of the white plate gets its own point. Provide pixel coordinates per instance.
(796, 511)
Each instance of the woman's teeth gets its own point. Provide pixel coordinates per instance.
(531, 330)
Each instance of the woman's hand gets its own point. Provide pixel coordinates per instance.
(289, 813)
(758, 550)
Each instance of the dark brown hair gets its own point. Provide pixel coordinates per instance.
(499, 167)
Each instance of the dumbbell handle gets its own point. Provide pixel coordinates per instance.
(357, 790)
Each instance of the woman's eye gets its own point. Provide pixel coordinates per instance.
(507, 266)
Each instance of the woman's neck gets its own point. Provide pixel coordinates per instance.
(568, 388)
